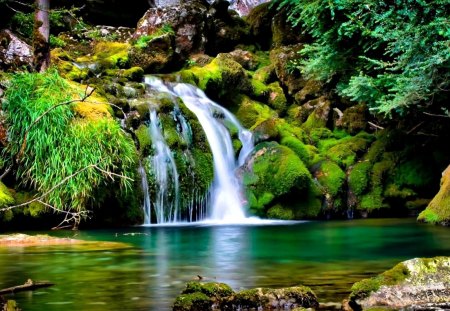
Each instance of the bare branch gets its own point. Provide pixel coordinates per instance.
(6, 172)
(375, 125)
(415, 128)
(436, 115)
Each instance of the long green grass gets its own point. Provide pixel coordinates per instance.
(60, 144)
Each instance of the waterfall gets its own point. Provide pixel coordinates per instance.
(166, 203)
(147, 205)
(226, 195)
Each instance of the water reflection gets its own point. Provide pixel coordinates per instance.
(328, 256)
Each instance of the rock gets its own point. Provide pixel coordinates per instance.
(321, 108)
(282, 31)
(244, 7)
(438, 211)
(279, 299)
(218, 296)
(156, 55)
(281, 58)
(272, 171)
(187, 20)
(415, 284)
(247, 59)
(14, 52)
(226, 30)
(354, 119)
(260, 22)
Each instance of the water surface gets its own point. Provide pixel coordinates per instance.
(327, 256)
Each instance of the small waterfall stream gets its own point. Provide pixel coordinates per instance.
(226, 195)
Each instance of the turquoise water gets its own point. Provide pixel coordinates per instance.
(327, 256)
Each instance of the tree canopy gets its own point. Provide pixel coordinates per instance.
(393, 55)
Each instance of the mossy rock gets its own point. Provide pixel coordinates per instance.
(276, 98)
(359, 177)
(145, 141)
(191, 302)
(345, 151)
(223, 76)
(438, 211)
(251, 113)
(415, 282)
(320, 115)
(354, 119)
(111, 54)
(275, 171)
(280, 212)
(210, 289)
(298, 147)
(266, 298)
(331, 177)
(95, 107)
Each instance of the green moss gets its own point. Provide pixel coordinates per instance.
(280, 212)
(394, 191)
(438, 211)
(331, 177)
(359, 177)
(211, 289)
(414, 173)
(345, 151)
(393, 276)
(144, 139)
(265, 74)
(6, 197)
(318, 134)
(194, 301)
(259, 89)
(133, 74)
(276, 98)
(277, 170)
(298, 147)
(372, 200)
(310, 204)
(250, 298)
(221, 76)
(251, 113)
(111, 54)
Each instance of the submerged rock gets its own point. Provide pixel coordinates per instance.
(219, 296)
(416, 284)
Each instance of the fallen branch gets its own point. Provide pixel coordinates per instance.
(29, 285)
(436, 115)
(415, 127)
(376, 126)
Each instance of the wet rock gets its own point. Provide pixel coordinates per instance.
(14, 52)
(416, 284)
(188, 21)
(218, 296)
(157, 55)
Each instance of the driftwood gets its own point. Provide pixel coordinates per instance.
(29, 285)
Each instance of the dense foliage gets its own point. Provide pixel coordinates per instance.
(62, 143)
(391, 54)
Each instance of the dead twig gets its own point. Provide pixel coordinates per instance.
(375, 125)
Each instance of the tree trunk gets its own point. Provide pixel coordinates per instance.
(41, 36)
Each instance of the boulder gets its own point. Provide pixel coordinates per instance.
(14, 52)
(244, 7)
(438, 211)
(226, 28)
(187, 20)
(416, 284)
(281, 58)
(219, 296)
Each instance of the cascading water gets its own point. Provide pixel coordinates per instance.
(226, 193)
(165, 175)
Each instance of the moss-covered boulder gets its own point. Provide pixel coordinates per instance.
(354, 119)
(272, 171)
(223, 76)
(199, 296)
(438, 211)
(268, 299)
(156, 52)
(416, 282)
(281, 58)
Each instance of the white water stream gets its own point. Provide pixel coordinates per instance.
(227, 196)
